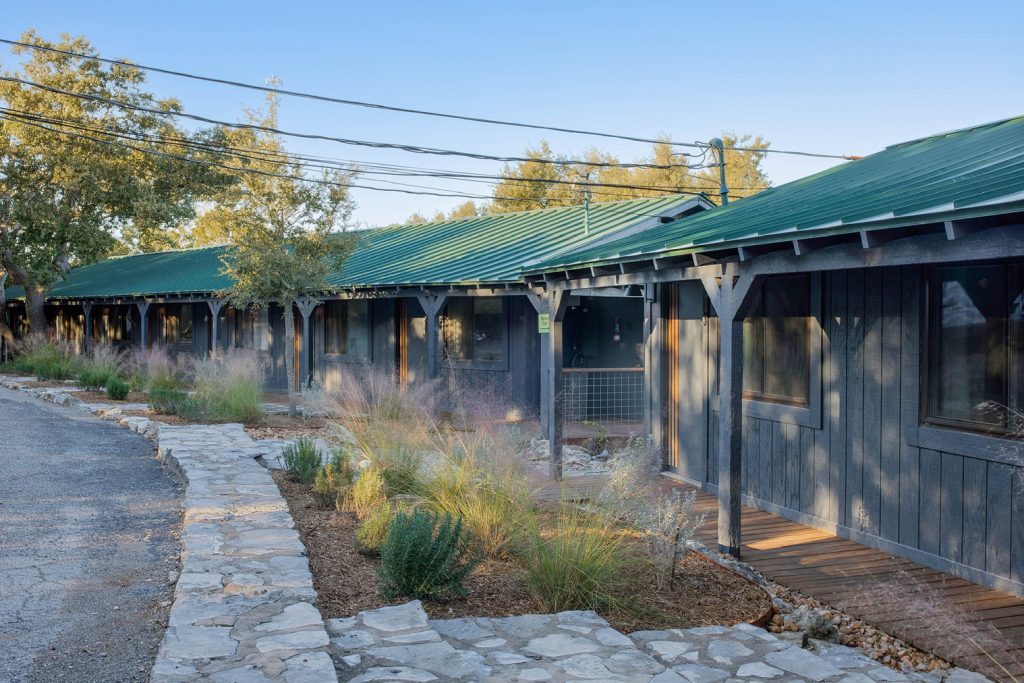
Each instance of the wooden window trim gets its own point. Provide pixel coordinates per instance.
(488, 365)
(919, 429)
(806, 415)
(354, 358)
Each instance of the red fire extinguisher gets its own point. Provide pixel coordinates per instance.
(616, 329)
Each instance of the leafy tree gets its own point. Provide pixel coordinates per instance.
(286, 229)
(68, 185)
(467, 209)
(524, 188)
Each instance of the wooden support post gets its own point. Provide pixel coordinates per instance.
(540, 305)
(731, 297)
(432, 306)
(558, 301)
(215, 307)
(651, 395)
(306, 306)
(87, 309)
(143, 326)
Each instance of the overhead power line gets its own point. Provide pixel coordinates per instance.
(406, 110)
(234, 169)
(330, 138)
(252, 154)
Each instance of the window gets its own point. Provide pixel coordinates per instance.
(252, 329)
(116, 325)
(474, 330)
(347, 328)
(975, 346)
(777, 342)
(178, 324)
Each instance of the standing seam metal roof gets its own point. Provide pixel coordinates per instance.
(935, 178)
(481, 250)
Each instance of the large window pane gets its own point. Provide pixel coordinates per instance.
(488, 329)
(777, 342)
(347, 328)
(975, 344)
(458, 329)
(474, 329)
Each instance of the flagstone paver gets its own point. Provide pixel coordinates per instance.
(402, 644)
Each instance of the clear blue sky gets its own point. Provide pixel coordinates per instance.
(844, 77)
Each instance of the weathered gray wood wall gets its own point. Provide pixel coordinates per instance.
(863, 467)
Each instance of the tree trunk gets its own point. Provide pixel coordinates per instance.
(289, 357)
(35, 301)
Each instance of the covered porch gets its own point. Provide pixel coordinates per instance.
(862, 582)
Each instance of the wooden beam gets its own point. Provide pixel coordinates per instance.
(731, 297)
(87, 333)
(432, 306)
(558, 303)
(802, 247)
(215, 308)
(143, 307)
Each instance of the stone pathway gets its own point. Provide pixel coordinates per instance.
(401, 644)
(243, 608)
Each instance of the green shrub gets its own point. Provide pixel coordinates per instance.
(165, 399)
(372, 531)
(46, 359)
(577, 564)
(232, 385)
(301, 461)
(117, 388)
(334, 480)
(91, 377)
(425, 555)
(102, 363)
(367, 493)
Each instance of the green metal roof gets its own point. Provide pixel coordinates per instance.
(963, 173)
(483, 250)
(491, 249)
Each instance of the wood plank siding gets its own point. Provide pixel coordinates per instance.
(859, 469)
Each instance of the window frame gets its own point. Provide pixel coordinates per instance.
(348, 357)
(808, 415)
(940, 432)
(177, 307)
(244, 317)
(472, 363)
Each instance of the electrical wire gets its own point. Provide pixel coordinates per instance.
(422, 112)
(282, 157)
(233, 169)
(416, 149)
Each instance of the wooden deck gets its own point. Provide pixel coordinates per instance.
(934, 611)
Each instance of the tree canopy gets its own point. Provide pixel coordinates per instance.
(80, 170)
(286, 230)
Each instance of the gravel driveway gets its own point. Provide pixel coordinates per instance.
(89, 525)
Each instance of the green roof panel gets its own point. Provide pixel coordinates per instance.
(978, 170)
(481, 250)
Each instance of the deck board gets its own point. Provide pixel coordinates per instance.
(863, 582)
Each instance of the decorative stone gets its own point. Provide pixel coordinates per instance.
(758, 670)
(560, 645)
(398, 618)
(298, 640)
(534, 674)
(802, 663)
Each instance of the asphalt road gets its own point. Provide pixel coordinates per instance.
(89, 531)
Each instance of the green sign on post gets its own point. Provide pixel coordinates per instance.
(543, 323)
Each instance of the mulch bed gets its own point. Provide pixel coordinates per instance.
(346, 581)
(89, 396)
(286, 428)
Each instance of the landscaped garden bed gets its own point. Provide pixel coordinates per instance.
(346, 580)
(410, 505)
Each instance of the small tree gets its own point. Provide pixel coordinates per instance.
(286, 229)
